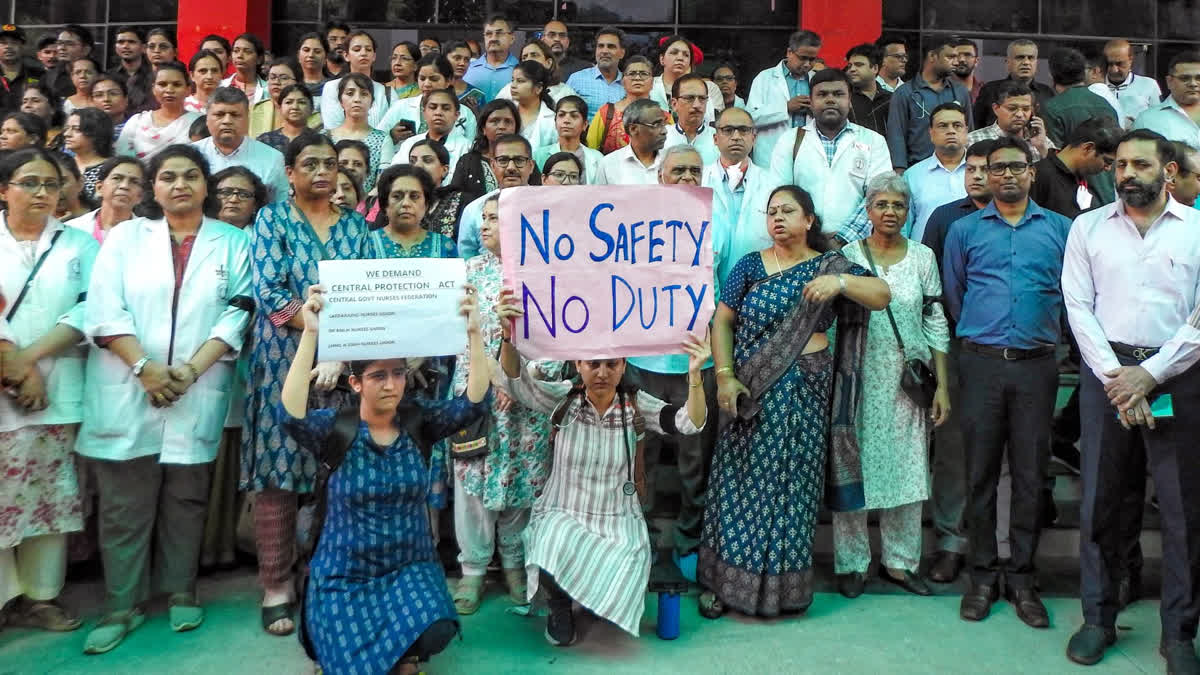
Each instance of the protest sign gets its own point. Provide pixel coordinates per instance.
(608, 271)
(391, 308)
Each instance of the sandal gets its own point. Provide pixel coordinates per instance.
(517, 590)
(276, 613)
(111, 630)
(467, 594)
(184, 613)
(711, 606)
(47, 615)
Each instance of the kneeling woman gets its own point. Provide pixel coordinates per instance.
(586, 539)
(377, 600)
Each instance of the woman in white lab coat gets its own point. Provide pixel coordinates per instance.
(44, 270)
(168, 313)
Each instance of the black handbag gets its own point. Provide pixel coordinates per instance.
(916, 378)
(472, 441)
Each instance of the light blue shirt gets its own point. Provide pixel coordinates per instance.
(488, 78)
(931, 185)
(469, 244)
(797, 86)
(261, 159)
(705, 142)
(1168, 119)
(595, 90)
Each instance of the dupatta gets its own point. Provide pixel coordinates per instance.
(843, 470)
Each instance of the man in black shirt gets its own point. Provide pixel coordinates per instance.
(1062, 180)
(133, 68)
(14, 72)
(1021, 61)
(74, 42)
(869, 101)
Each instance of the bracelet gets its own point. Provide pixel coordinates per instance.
(842, 282)
(724, 368)
(195, 373)
(693, 385)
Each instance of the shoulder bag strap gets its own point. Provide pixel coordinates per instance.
(891, 319)
(800, 131)
(32, 275)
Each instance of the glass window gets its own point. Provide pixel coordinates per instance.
(1092, 17)
(748, 51)
(357, 12)
(294, 10)
(1017, 16)
(901, 14)
(285, 36)
(61, 11)
(473, 13)
(1178, 19)
(749, 12)
(121, 11)
(620, 11)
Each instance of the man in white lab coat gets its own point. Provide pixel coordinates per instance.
(779, 96)
(831, 157)
(740, 191)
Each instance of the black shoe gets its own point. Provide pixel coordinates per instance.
(560, 625)
(851, 585)
(909, 582)
(945, 567)
(977, 603)
(1029, 607)
(1088, 643)
(1180, 656)
(1130, 589)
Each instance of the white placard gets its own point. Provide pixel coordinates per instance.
(391, 308)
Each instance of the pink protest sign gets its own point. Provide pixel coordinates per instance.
(608, 270)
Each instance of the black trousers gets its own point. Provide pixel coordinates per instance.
(1109, 456)
(1006, 404)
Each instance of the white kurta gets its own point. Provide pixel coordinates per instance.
(133, 284)
(584, 530)
(57, 295)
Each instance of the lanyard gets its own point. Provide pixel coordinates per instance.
(32, 275)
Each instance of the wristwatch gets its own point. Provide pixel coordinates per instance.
(140, 365)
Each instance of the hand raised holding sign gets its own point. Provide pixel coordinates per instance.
(469, 307)
(312, 307)
(508, 308)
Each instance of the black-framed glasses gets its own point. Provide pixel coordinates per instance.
(518, 161)
(564, 177)
(735, 130)
(1017, 168)
(31, 185)
(229, 193)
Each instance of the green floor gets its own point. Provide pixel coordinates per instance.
(877, 633)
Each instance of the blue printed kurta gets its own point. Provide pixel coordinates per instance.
(284, 252)
(376, 582)
(434, 245)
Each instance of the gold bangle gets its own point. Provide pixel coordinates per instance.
(724, 368)
(695, 384)
(195, 373)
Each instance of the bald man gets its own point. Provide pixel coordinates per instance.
(555, 36)
(1134, 93)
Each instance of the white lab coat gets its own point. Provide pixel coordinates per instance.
(410, 109)
(736, 233)
(57, 295)
(542, 131)
(455, 143)
(131, 294)
(836, 190)
(767, 104)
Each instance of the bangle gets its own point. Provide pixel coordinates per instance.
(842, 282)
(195, 373)
(724, 368)
(695, 384)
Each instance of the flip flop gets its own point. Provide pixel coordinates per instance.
(184, 613)
(47, 615)
(275, 613)
(468, 594)
(111, 630)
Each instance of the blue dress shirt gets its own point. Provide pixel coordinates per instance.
(1002, 282)
(488, 78)
(591, 86)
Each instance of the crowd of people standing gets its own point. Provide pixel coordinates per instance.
(900, 265)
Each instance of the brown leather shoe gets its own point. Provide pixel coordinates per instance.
(945, 567)
(1029, 607)
(977, 603)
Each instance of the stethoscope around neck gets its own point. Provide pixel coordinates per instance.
(628, 488)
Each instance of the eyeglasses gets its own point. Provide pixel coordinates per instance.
(1017, 168)
(230, 193)
(885, 205)
(652, 125)
(735, 130)
(31, 185)
(516, 160)
(281, 78)
(724, 78)
(564, 177)
(638, 75)
(898, 57)
(692, 99)
(403, 58)
(107, 93)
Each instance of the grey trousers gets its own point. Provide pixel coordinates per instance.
(145, 503)
(694, 454)
(949, 489)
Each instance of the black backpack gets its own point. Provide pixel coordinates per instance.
(337, 445)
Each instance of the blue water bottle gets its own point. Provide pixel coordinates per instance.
(668, 616)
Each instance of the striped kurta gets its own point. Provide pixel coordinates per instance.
(584, 530)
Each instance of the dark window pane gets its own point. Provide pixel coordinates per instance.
(748, 51)
(138, 10)
(285, 36)
(294, 10)
(901, 14)
(473, 12)
(61, 11)
(748, 12)
(620, 11)
(1013, 16)
(1093, 17)
(391, 12)
(1178, 19)
(1164, 52)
